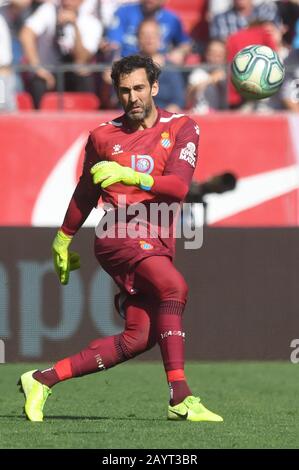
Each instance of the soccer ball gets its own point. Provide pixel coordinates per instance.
(257, 72)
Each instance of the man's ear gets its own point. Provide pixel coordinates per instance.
(155, 89)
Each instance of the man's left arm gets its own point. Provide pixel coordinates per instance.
(181, 163)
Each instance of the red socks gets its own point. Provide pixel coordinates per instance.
(171, 340)
(178, 386)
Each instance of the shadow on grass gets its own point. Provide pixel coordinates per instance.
(86, 418)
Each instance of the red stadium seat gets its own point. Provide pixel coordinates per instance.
(193, 14)
(70, 101)
(24, 101)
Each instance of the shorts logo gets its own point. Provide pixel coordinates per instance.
(142, 163)
(165, 141)
(188, 153)
(145, 245)
(173, 333)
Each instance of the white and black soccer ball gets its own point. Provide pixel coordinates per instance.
(257, 72)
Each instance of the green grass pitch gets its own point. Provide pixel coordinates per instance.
(126, 407)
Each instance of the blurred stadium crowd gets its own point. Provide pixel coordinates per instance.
(49, 46)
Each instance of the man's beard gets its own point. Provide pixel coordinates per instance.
(139, 116)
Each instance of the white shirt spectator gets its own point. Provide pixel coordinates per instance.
(101, 9)
(5, 41)
(7, 77)
(217, 6)
(211, 96)
(43, 24)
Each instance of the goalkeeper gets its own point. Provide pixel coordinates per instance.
(146, 156)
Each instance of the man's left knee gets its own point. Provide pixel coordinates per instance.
(176, 289)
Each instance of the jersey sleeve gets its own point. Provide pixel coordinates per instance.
(181, 163)
(86, 194)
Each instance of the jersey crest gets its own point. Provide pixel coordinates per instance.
(165, 141)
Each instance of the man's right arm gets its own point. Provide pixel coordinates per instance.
(28, 41)
(34, 27)
(86, 194)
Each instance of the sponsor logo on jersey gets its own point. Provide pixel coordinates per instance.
(145, 245)
(165, 141)
(117, 149)
(188, 153)
(142, 163)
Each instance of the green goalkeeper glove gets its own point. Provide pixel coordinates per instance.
(64, 260)
(106, 173)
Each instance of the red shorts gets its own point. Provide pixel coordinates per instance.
(119, 256)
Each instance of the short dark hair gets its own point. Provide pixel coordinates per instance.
(128, 64)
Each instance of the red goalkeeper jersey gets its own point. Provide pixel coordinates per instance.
(168, 149)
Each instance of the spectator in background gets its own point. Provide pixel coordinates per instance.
(216, 7)
(56, 35)
(101, 9)
(207, 88)
(15, 13)
(7, 77)
(123, 31)
(290, 88)
(220, 6)
(240, 16)
(289, 13)
(295, 42)
(104, 10)
(171, 94)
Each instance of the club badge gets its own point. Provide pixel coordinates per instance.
(165, 141)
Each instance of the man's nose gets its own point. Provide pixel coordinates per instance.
(133, 96)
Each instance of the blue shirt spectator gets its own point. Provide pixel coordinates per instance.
(240, 16)
(171, 91)
(171, 94)
(296, 36)
(127, 19)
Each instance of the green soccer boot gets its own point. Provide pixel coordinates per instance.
(191, 409)
(35, 394)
